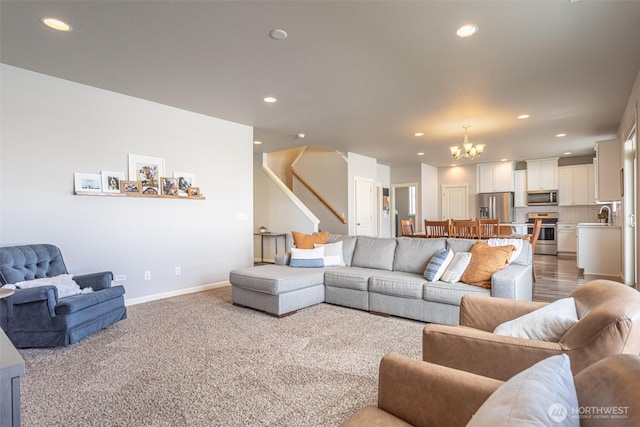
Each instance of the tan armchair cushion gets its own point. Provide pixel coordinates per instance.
(611, 384)
(609, 314)
(424, 394)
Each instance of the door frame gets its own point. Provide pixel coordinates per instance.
(417, 225)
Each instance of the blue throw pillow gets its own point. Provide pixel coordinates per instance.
(438, 264)
(307, 258)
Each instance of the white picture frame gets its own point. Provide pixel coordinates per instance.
(185, 180)
(87, 182)
(147, 170)
(111, 181)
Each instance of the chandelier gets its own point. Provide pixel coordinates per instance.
(468, 150)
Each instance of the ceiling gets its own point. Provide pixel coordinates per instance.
(358, 76)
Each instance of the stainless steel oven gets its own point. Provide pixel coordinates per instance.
(548, 238)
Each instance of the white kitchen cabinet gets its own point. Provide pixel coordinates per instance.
(599, 249)
(542, 174)
(607, 171)
(493, 177)
(520, 188)
(576, 185)
(567, 239)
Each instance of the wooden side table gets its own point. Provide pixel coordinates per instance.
(276, 236)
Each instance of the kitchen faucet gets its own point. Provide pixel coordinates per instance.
(608, 212)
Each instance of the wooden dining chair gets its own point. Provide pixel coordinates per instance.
(488, 228)
(535, 234)
(407, 227)
(434, 229)
(464, 228)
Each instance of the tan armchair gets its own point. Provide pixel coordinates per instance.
(609, 323)
(415, 393)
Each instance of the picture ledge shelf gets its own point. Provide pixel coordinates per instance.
(151, 196)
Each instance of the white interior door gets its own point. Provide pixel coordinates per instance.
(455, 200)
(364, 207)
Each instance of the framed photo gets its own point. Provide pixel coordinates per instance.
(130, 186)
(87, 182)
(148, 171)
(111, 181)
(169, 186)
(194, 191)
(185, 180)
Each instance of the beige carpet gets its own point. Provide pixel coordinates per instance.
(196, 360)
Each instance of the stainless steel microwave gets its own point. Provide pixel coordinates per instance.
(542, 198)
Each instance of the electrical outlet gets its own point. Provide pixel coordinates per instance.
(147, 275)
(120, 278)
(178, 271)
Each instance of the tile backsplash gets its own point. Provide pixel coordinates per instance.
(571, 214)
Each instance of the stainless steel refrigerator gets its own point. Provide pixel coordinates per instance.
(496, 205)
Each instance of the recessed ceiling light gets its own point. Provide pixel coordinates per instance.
(270, 99)
(257, 142)
(503, 160)
(301, 135)
(560, 135)
(454, 165)
(278, 34)
(566, 153)
(421, 154)
(467, 30)
(418, 134)
(523, 116)
(56, 24)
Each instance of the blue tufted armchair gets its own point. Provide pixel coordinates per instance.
(36, 317)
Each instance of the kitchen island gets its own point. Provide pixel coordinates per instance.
(600, 249)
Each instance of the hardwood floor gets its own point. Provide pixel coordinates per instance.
(557, 277)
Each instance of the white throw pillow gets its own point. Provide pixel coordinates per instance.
(64, 282)
(542, 395)
(307, 258)
(548, 323)
(458, 265)
(517, 243)
(333, 255)
(438, 264)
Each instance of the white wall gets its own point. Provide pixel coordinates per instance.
(52, 128)
(430, 193)
(383, 180)
(275, 210)
(325, 171)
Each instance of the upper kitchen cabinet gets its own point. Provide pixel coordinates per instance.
(607, 168)
(576, 185)
(494, 177)
(542, 174)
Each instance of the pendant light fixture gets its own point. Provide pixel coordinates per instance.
(468, 150)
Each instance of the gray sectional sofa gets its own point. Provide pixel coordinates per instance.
(382, 275)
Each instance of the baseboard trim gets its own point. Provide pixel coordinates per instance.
(178, 292)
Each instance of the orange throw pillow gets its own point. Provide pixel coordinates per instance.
(306, 241)
(486, 260)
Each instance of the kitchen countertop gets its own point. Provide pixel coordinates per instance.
(597, 224)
